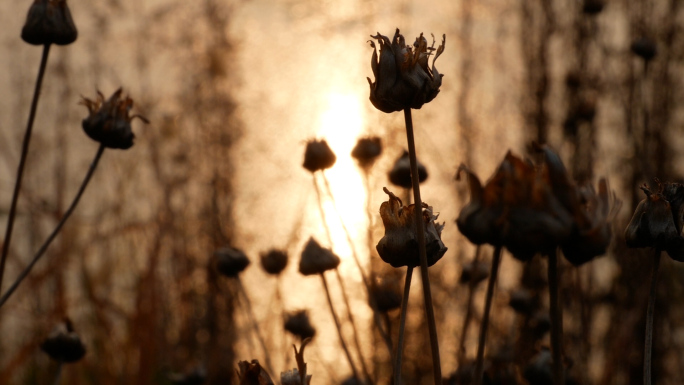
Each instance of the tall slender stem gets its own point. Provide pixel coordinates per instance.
(556, 320)
(479, 363)
(54, 233)
(402, 326)
(22, 161)
(469, 307)
(58, 375)
(648, 345)
(339, 327)
(255, 325)
(429, 311)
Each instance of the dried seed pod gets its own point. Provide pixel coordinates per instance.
(318, 155)
(644, 48)
(316, 259)
(63, 344)
(658, 220)
(402, 76)
(298, 324)
(399, 245)
(274, 261)
(230, 262)
(367, 150)
(469, 271)
(49, 22)
(400, 174)
(386, 295)
(251, 373)
(108, 121)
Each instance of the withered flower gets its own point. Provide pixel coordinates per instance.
(108, 121)
(474, 271)
(63, 344)
(230, 262)
(402, 76)
(367, 150)
(658, 219)
(400, 174)
(399, 245)
(49, 22)
(318, 155)
(644, 47)
(274, 261)
(298, 324)
(251, 373)
(316, 259)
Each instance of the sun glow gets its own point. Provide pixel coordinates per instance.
(341, 125)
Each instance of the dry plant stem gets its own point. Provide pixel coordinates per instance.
(58, 375)
(469, 307)
(648, 345)
(429, 311)
(402, 326)
(59, 226)
(556, 320)
(338, 327)
(255, 325)
(22, 161)
(479, 362)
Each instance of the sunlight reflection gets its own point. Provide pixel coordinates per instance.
(341, 125)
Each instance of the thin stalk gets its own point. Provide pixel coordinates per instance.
(22, 161)
(556, 320)
(55, 232)
(648, 345)
(479, 362)
(402, 326)
(58, 375)
(339, 327)
(469, 307)
(255, 325)
(429, 311)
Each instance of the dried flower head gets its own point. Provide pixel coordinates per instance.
(474, 271)
(658, 220)
(108, 121)
(523, 301)
(400, 175)
(251, 373)
(402, 76)
(63, 344)
(298, 323)
(49, 22)
(399, 245)
(386, 295)
(318, 155)
(230, 262)
(316, 259)
(274, 261)
(644, 47)
(367, 150)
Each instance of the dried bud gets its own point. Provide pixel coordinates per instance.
(251, 373)
(316, 259)
(658, 219)
(108, 121)
(593, 7)
(523, 301)
(292, 377)
(367, 150)
(386, 295)
(402, 76)
(298, 324)
(274, 261)
(399, 246)
(197, 376)
(471, 271)
(63, 344)
(400, 174)
(644, 48)
(49, 22)
(230, 262)
(318, 155)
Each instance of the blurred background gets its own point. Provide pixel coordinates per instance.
(234, 90)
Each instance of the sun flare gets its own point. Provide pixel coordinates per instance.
(341, 125)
